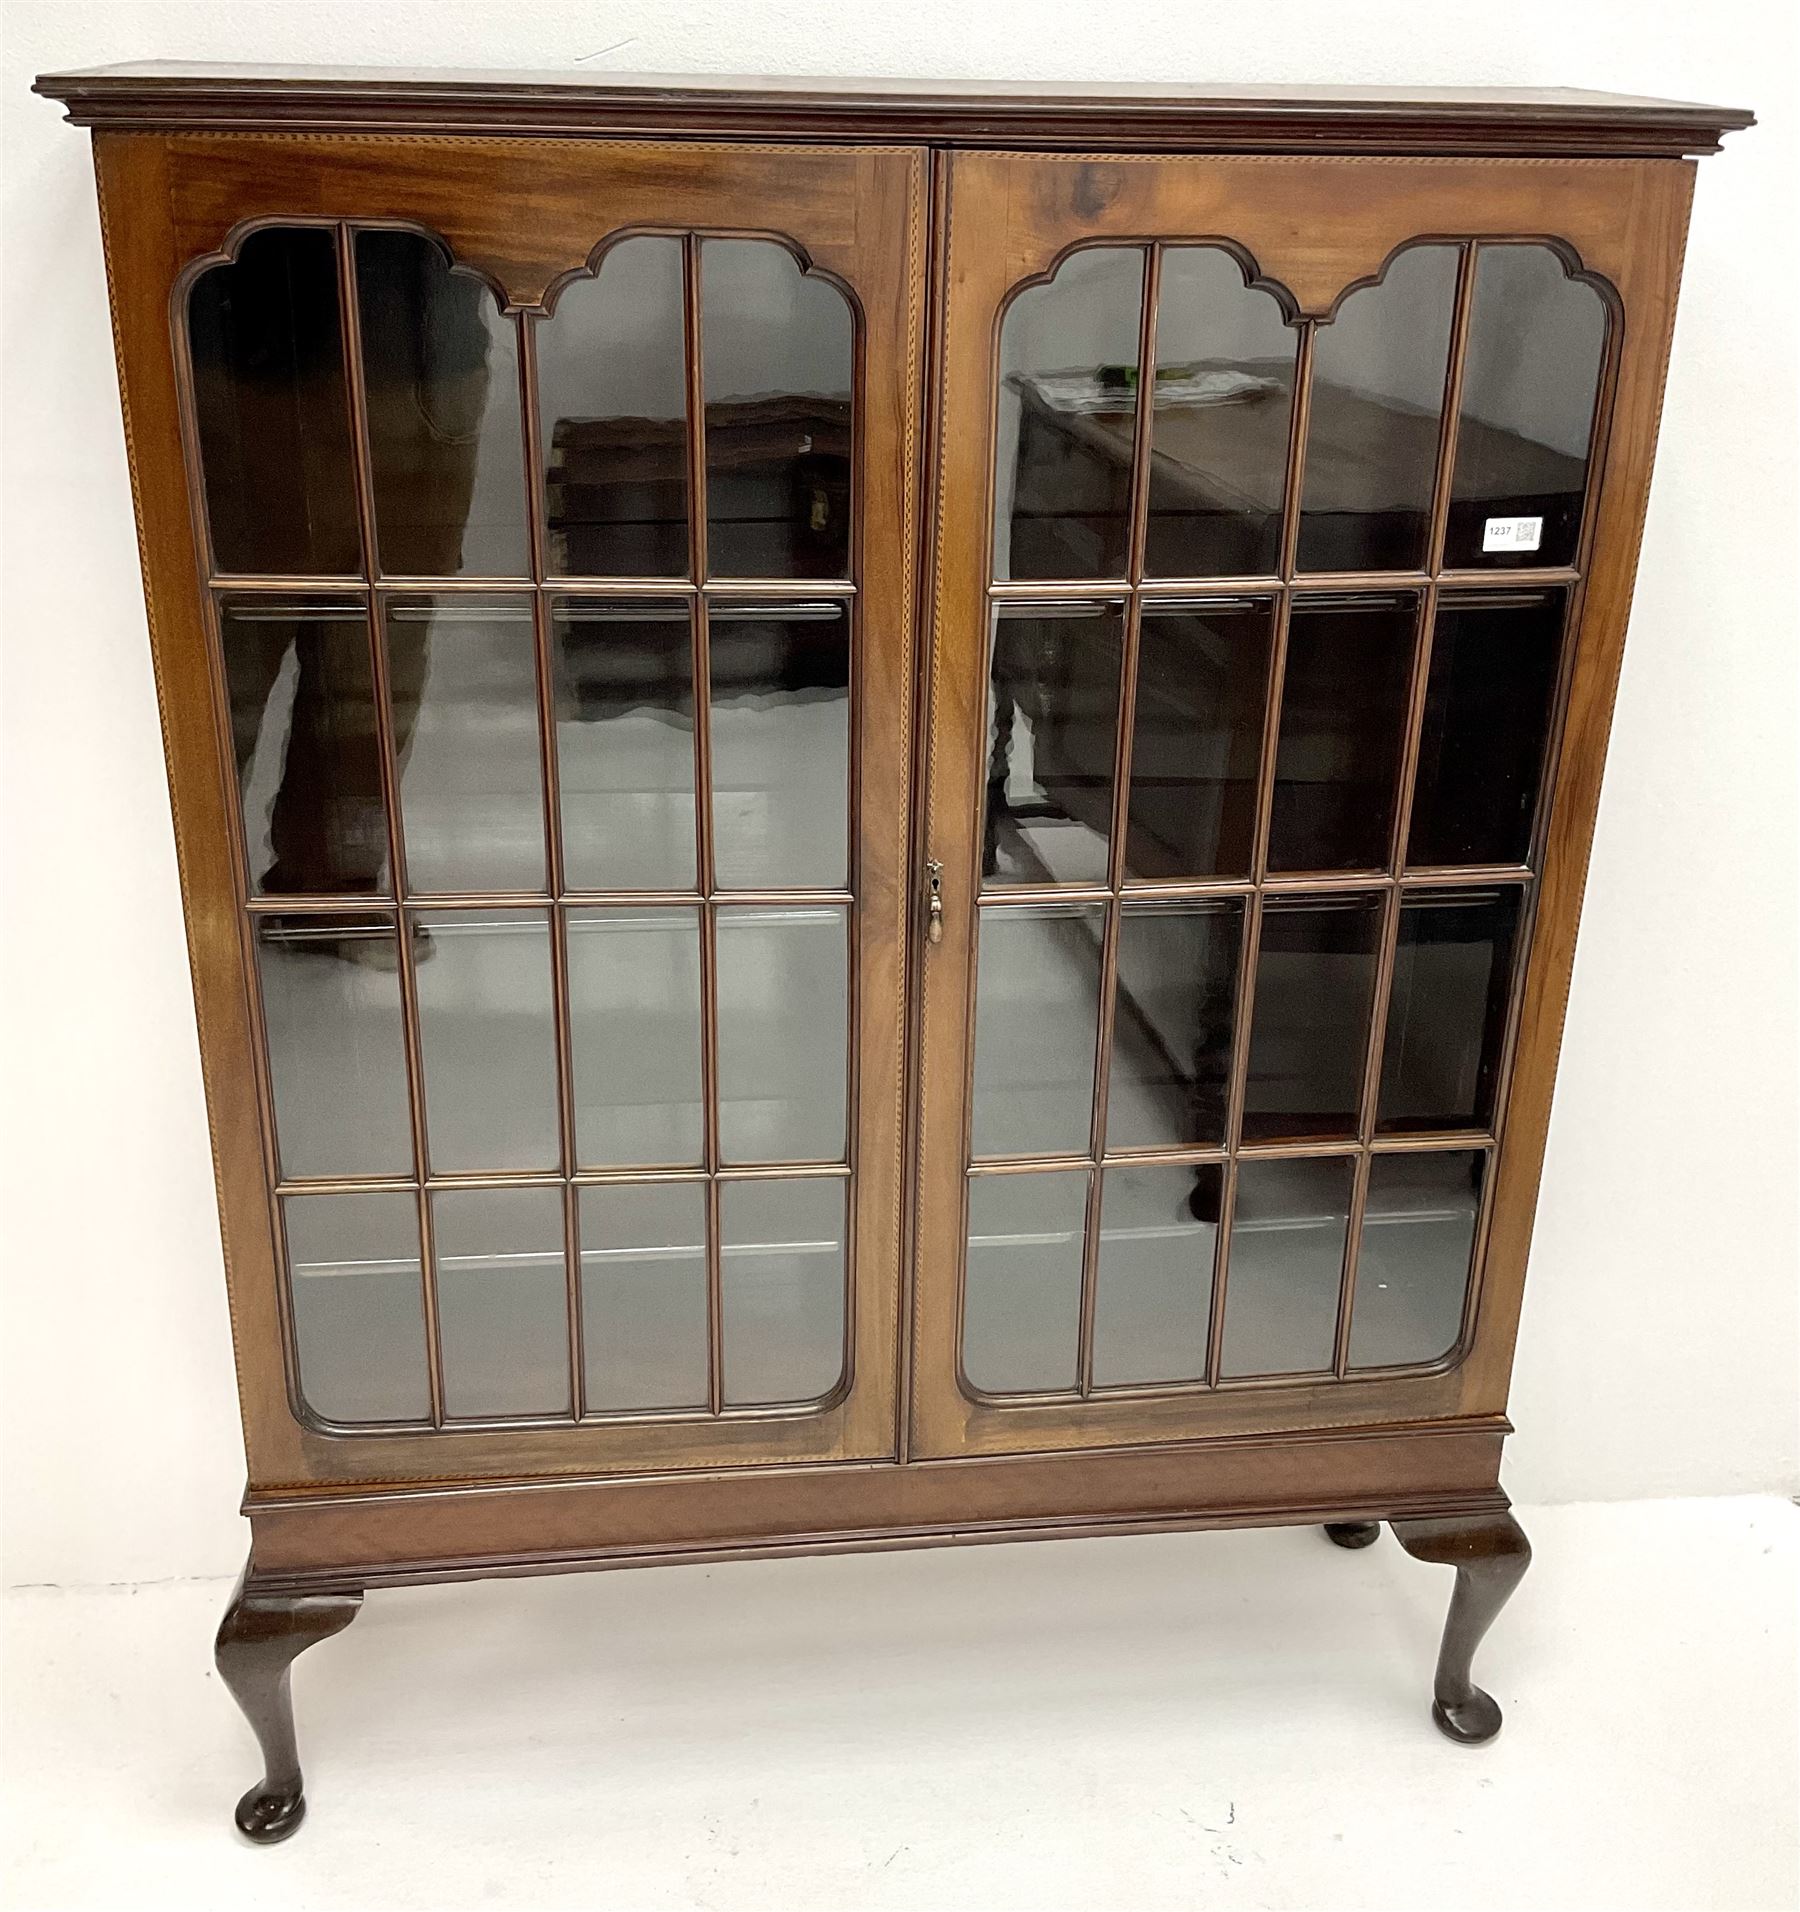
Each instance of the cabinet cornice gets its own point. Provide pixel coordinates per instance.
(1556, 122)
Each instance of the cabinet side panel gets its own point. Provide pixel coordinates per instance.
(142, 265)
(1654, 222)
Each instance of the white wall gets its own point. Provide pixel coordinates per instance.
(1658, 1348)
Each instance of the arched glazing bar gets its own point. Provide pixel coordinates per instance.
(1262, 619)
(536, 632)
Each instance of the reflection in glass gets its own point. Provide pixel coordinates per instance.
(1068, 408)
(503, 1300)
(488, 1039)
(1172, 1023)
(643, 1296)
(359, 1307)
(1196, 738)
(1447, 1011)
(1022, 1284)
(272, 408)
(1053, 715)
(1286, 1267)
(1037, 1001)
(783, 1028)
(1372, 428)
(781, 1282)
(1224, 394)
(337, 1054)
(302, 690)
(777, 359)
(1536, 341)
(1412, 1273)
(1153, 1288)
(634, 1036)
(780, 744)
(1487, 720)
(625, 742)
(1343, 721)
(612, 408)
(464, 670)
(1309, 1033)
(441, 379)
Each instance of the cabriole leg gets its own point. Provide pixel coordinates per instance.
(259, 1638)
(1490, 1554)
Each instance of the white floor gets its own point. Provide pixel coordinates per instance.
(1202, 1720)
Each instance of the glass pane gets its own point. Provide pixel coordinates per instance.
(1536, 341)
(337, 1053)
(308, 752)
(503, 1300)
(272, 408)
(1487, 720)
(625, 742)
(612, 411)
(778, 352)
(1372, 430)
(783, 1029)
(1172, 1023)
(781, 1282)
(1315, 976)
(1037, 1006)
(1343, 724)
(441, 374)
(359, 1306)
(643, 1296)
(462, 685)
(1022, 1286)
(1413, 1272)
(1053, 718)
(1068, 407)
(634, 1029)
(1224, 394)
(1287, 1264)
(488, 1037)
(780, 744)
(1447, 1011)
(1196, 738)
(1153, 1293)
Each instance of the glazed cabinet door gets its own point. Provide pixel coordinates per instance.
(1266, 583)
(554, 508)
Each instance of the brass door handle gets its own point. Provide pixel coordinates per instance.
(934, 901)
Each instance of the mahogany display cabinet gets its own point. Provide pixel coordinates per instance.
(882, 795)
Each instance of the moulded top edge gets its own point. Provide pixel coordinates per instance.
(1559, 121)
